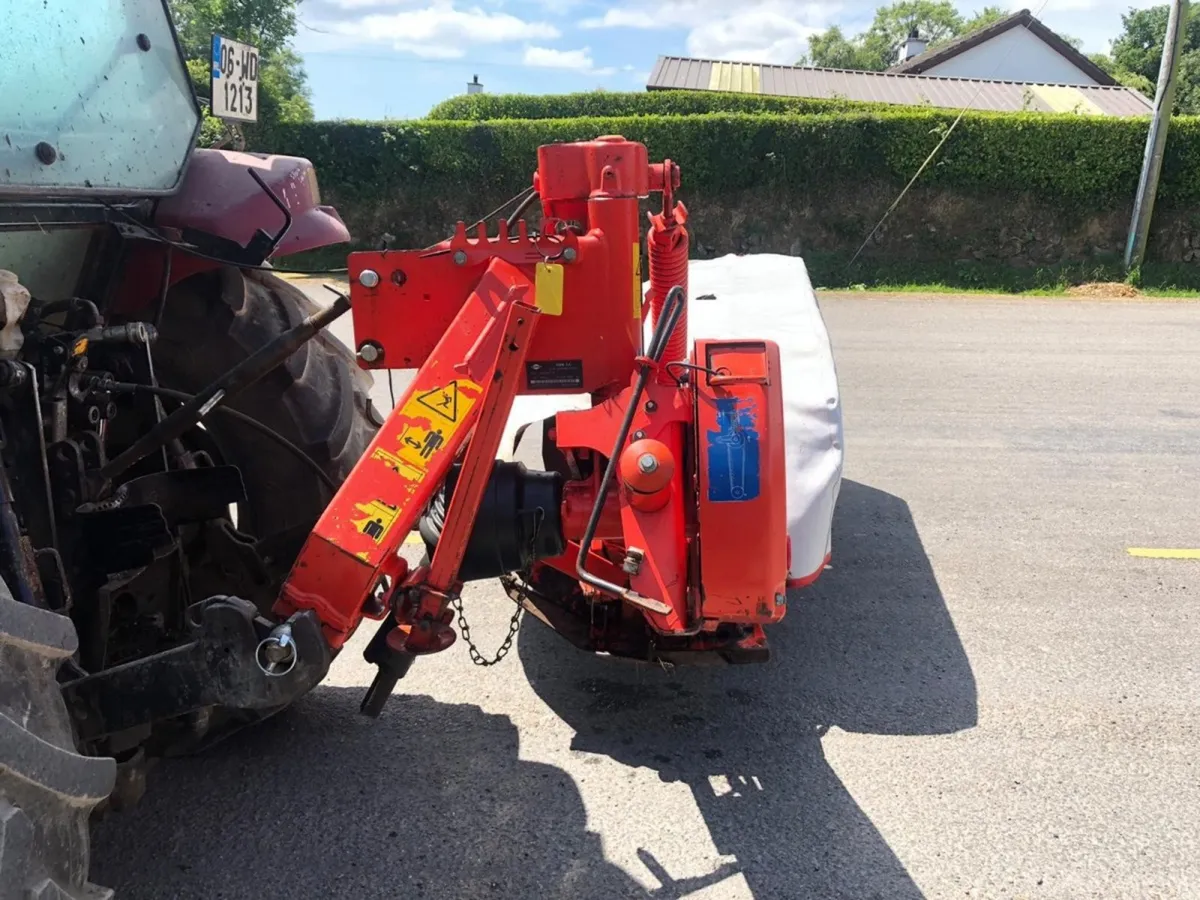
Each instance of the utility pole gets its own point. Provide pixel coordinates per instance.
(1156, 140)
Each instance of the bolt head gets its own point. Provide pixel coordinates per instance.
(780, 599)
(460, 257)
(569, 254)
(647, 463)
(370, 352)
(368, 278)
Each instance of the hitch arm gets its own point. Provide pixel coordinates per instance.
(356, 542)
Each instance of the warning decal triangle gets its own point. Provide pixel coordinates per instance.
(443, 401)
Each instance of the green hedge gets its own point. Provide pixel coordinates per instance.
(1085, 162)
(487, 107)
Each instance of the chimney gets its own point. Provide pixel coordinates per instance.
(914, 46)
(473, 86)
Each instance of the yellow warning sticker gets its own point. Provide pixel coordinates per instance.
(398, 464)
(411, 444)
(377, 519)
(428, 420)
(442, 402)
(548, 288)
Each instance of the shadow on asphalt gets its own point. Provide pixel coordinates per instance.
(870, 649)
(430, 801)
(435, 803)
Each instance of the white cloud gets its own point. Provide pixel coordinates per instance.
(575, 60)
(547, 58)
(626, 18)
(438, 30)
(760, 36)
(754, 30)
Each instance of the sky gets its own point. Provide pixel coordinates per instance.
(380, 59)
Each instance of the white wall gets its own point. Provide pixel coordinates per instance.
(1014, 55)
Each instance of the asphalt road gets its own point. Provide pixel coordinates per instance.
(986, 697)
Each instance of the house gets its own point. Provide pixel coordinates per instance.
(1015, 64)
(1016, 48)
(901, 88)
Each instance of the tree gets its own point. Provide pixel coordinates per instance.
(833, 50)
(269, 25)
(879, 46)
(933, 20)
(1123, 76)
(1137, 54)
(989, 15)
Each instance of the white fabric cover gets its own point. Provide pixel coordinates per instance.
(764, 296)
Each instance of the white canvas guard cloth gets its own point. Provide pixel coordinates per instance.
(764, 296)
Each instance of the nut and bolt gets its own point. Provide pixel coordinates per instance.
(370, 352)
(651, 406)
(569, 254)
(460, 257)
(368, 278)
(638, 435)
(647, 463)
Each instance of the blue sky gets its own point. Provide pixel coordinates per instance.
(375, 59)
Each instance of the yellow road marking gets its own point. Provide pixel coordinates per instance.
(1164, 553)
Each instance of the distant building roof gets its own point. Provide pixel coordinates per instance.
(683, 73)
(938, 55)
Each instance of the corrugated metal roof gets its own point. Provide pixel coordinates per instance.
(683, 73)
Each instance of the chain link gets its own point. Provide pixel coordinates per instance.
(514, 624)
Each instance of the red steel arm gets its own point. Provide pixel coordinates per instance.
(431, 616)
(356, 541)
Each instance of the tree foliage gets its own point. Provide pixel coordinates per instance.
(269, 25)
(1137, 53)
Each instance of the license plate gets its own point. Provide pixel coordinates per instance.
(234, 80)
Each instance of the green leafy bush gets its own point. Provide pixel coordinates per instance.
(1023, 193)
(1061, 158)
(487, 107)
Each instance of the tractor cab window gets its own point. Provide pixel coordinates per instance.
(94, 99)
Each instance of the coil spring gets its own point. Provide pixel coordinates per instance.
(667, 250)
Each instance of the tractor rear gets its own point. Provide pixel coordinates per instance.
(134, 274)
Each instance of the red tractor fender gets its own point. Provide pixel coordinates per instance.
(220, 199)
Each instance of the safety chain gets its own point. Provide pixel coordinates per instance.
(514, 624)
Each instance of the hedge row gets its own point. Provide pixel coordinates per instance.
(1083, 162)
(486, 107)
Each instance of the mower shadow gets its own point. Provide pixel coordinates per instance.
(321, 802)
(871, 649)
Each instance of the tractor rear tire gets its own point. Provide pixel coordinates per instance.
(318, 399)
(47, 789)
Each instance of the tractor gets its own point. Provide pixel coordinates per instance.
(199, 506)
(134, 272)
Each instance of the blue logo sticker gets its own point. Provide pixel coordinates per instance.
(733, 457)
(216, 56)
